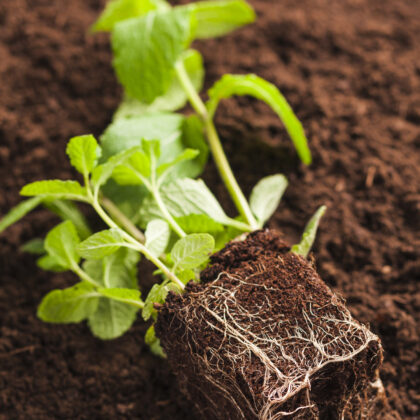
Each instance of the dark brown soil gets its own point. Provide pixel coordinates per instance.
(260, 308)
(351, 71)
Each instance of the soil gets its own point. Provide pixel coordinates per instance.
(262, 335)
(351, 71)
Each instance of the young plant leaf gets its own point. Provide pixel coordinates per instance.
(134, 170)
(112, 319)
(101, 244)
(118, 10)
(154, 343)
(56, 189)
(182, 198)
(67, 210)
(198, 223)
(61, 243)
(217, 18)
(120, 294)
(118, 270)
(83, 152)
(266, 196)
(230, 85)
(74, 304)
(308, 237)
(34, 246)
(187, 154)
(157, 236)
(146, 50)
(174, 98)
(193, 137)
(192, 251)
(50, 263)
(157, 294)
(19, 211)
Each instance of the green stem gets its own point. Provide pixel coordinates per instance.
(122, 219)
(84, 276)
(137, 245)
(216, 147)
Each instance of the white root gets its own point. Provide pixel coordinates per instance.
(288, 354)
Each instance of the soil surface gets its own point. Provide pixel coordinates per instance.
(351, 71)
(260, 309)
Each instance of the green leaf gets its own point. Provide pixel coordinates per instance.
(115, 270)
(192, 250)
(50, 263)
(34, 246)
(146, 50)
(198, 223)
(101, 244)
(133, 170)
(69, 305)
(174, 131)
(112, 319)
(186, 275)
(120, 294)
(118, 270)
(266, 196)
(69, 190)
(182, 198)
(118, 10)
(308, 237)
(230, 85)
(154, 343)
(19, 211)
(157, 236)
(103, 172)
(83, 152)
(217, 18)
(61, 243)
(174, 98)
(67, 210)
(187, 154)
(157, 294)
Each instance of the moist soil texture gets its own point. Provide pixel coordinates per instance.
(262, 337)
(350, 69)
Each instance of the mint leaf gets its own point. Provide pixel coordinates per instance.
(146, 50)
(34, 246)
(186, 275)
(50, 263)
(83, 152)
(187, 154)
(112, 319)
(182, 198)
(69, 190)
(157, 294)
(193, 137)
(157, 236)
(230, 85)
(174, 98)
(101, 244)
(154, 343)
(192, 250)
(61, 243)
(217, 18)
(19, 211)
(67, 210)
(118, 10)
(134, 170)
(198, 223)
(103, 172)
(120, 294)
(266, 196)
(308, 237)
(118, 270)
(69, 305)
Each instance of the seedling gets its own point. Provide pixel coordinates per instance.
(142, 179)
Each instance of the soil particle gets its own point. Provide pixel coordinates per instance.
(349, 69)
